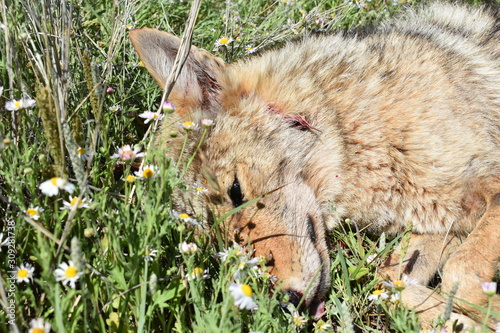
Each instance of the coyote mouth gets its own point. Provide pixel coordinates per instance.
(317, 310)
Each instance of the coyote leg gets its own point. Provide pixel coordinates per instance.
(476, 260)
(425, 254)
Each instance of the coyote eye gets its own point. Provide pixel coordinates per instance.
(235, 193)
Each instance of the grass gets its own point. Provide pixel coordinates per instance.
(74, 58)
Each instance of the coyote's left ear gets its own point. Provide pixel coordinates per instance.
(197, 85)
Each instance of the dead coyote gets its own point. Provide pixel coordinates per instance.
(397, 126)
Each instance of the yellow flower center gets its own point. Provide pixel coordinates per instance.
(22, 273)
(184, 216)
(247, 290)
(71, 272)
(53, 180)
(31, 212)
(377, 292)
(38, 330)
(76, 202)
(399, 284)
(198, 271)
(155, 115)
(187, 124)
(148, 173)
(17, 104)
(199, 189)
(127, 154)
(140, 64)
(81, 151)
(224, 40)
(130, 178)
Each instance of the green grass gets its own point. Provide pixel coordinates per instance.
(66, 57)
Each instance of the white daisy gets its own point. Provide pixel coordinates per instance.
(378, 294)
(126, 153)
(23, 103)
(67, 273)
(75, 203)
(400, 284)
(489, 288)
(198, 273)
(114, 108)
(223, 41)
(242, 294)
(167, 107)
(83, 153)
(207, 122)
(24, 273)
(190, 222)
(39, 326)
(188, 126)
(34, 212)
(199, 189)
(52, 186)
(147, 171)
(150, 115)
(150, 255)
(188, 248)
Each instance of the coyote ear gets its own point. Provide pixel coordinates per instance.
(197, 85)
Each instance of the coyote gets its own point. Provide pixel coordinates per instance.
(395, 126)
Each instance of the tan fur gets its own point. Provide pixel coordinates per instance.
(401, 125)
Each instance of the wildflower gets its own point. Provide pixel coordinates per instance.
(3, 242)
(399, 285)
(150, 254)
(140, 64)
(188, 126)
(236, 250)
(109, 90)
(24, 273)
(39, 326)
(167, 107)
(242, 294)
(198, 273)
(52, 186)
(223, 41)
(75, 203)
(250, 49)
(129, 27)
(207, 123)
(199, 189)
(88, 232)
(1, 90)
(23, 103)
(67, 273)
(190, 222)
(34, 212)
(6, 142)
(83, 153)
(188, 248)
(150, 115)
(489, 288)
(126, 153)
(114, 108)
(147, 171)
(321, 326)
(248, 263)
(376, 294)
(298, 320)
(130, 178)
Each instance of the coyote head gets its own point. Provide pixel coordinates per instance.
(257, 148)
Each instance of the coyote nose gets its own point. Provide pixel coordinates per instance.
(294, 298)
